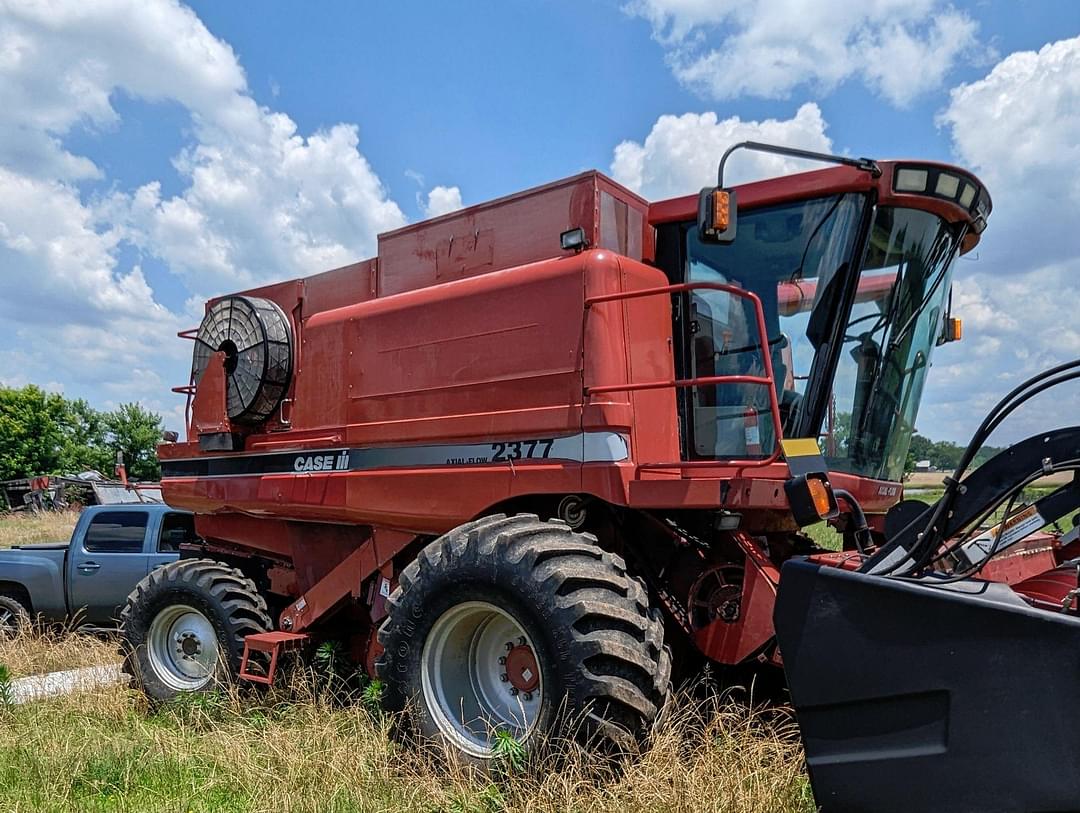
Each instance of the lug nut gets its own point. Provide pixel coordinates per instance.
(513, 692)
(509, 645)
(521, 641)
(504, 677)
(528, 695)
(502, 660)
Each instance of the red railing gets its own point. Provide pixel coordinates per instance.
(766, 380)
(189, 388)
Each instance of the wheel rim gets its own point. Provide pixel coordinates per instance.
(480, 676)
(9, 623)
(183, 648)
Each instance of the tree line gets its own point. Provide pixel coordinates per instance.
(943, 455)
(46, 433)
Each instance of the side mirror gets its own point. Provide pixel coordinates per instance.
(717, 215)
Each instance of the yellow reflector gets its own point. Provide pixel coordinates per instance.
(819, 493)
(957, 330)
(799, 447)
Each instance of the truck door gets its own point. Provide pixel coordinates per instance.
(106, 564)
(177, 528)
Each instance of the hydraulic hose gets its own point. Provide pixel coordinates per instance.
(860, 531)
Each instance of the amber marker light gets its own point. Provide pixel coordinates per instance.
(811, 498)
(721, 210)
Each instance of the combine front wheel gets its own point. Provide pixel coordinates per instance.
(184, 624)
(511, 625)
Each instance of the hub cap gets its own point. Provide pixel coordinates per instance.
(183, 648)
(479, 676)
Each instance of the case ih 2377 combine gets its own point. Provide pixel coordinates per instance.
(537, 445)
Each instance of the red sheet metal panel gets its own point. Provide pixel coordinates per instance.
(511, 231)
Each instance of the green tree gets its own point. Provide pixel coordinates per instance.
(944, 455)
(31, 431)
(84, 446)
(135, 432)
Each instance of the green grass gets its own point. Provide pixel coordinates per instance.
(105, 751)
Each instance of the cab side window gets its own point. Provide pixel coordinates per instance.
(116, 532)
(176, 530)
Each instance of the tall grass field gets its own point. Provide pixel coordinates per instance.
(301, 748)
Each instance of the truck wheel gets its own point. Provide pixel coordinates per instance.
(516, 625)
(183, 626)
(13, 617)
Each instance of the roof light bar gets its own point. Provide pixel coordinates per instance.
(941, 182)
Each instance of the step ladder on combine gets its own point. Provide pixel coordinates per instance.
(273, 643)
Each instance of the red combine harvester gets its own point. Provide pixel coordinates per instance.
(538, 444)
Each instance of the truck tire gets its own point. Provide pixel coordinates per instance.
(519, 625)
(13, 616)
(183, 626)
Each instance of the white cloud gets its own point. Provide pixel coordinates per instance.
(724, 49)
(1014, 326)
(258, 201)
(265, 205)
(1019, 129)
(442, 200)
(680, 153)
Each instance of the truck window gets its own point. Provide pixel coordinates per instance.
(116, 532)
(176, 529)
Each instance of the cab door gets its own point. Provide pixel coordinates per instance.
(106, 564)
(177, 528)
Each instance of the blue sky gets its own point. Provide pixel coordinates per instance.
(153, 153)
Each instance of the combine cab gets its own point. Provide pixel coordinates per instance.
(536, 446)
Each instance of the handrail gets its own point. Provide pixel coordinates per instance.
(188, 389)
(768, 380)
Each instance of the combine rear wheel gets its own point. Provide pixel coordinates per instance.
(511, 624)
(184, 624)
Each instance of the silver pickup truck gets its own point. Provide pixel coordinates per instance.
(87, 580)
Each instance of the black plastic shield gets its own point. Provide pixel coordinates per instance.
(913, 697)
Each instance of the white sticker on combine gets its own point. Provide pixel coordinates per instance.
(384, 588)
(1002, 536)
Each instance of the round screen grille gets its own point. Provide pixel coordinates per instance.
(256, 337)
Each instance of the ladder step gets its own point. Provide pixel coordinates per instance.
(273, 642)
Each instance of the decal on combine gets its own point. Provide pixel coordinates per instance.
(1003, 535)
(586, 447)
(322, 462)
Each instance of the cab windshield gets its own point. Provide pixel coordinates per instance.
(893, 328)
(797, 258)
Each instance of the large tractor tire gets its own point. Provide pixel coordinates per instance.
(184, 624)
(13, 616)
(513, 625)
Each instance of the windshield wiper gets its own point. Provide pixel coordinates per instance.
(903, 332)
